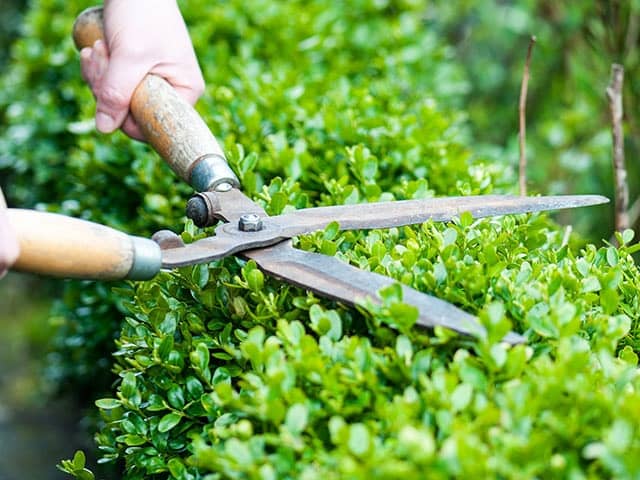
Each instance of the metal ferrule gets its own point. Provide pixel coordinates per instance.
(210, 172)
(147, 259)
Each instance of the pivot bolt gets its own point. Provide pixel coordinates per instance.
(250, 222)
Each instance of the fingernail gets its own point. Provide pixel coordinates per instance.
(105, 123)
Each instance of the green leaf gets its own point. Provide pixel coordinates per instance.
(327, 323)
(591, 284)
(338, 430)
(359, 440)
(331, 231)
(128, 387)
(609, 299)
(177, 468)
(255, 278)
(466, 219)
(297, 418)
(391, 293)
(79, 460)
(107, 403)
(238, 451)
(165, 347)
(169, 421)
(404, 349)
(627, 236)
(175, 396)
(628, 355)
(449, 236)
(133, 440)
(194, 387)
(499, 354)
(461, 396)
(279, 200)
(544, 326)
(200, 357)
(419, 444)
(84, 474)
(200, 275)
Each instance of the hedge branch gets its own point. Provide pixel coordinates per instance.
(522, 175)
(621, 188)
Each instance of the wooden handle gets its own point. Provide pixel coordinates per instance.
(169, 123)
(61, 246)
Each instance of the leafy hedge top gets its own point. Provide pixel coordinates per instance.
(223, 373)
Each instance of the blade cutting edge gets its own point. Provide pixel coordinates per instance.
(332, 278)
(408, 212)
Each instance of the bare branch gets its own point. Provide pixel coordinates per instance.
(522, 175)
(614, 95)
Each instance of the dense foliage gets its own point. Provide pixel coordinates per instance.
(222, 372)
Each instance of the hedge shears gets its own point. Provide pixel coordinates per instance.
(62, 246)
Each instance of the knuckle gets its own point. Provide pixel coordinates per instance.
(112, 97)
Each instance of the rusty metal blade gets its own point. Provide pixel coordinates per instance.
(229, 240)
(409, 212)
(332, 278)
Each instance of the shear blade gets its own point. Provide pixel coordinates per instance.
(332, 278)
(409, 212)
(229, 240)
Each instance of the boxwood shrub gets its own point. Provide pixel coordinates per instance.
(222, 372)
(297, 97)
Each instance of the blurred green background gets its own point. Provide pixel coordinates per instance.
(482, 46)
(38, 426)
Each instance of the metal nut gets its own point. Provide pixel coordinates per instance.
(249, 222)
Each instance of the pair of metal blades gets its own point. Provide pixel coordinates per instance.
(251, 233)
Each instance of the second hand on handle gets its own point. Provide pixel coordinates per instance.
(169, 123)
(61, 246)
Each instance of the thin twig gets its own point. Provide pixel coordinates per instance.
(522, 175)
(614, 95)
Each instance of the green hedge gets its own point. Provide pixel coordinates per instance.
(296, 94)
(225, 373)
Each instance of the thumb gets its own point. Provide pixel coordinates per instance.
(120, 79)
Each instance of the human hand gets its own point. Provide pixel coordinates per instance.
(141, 36)
(9, 248)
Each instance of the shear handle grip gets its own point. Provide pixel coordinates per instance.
(169, 123)
(61, 246)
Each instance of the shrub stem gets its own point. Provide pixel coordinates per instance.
(522, 175)
(614, 95)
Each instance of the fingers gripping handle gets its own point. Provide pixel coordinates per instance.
(61, 246)
(169, 123)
